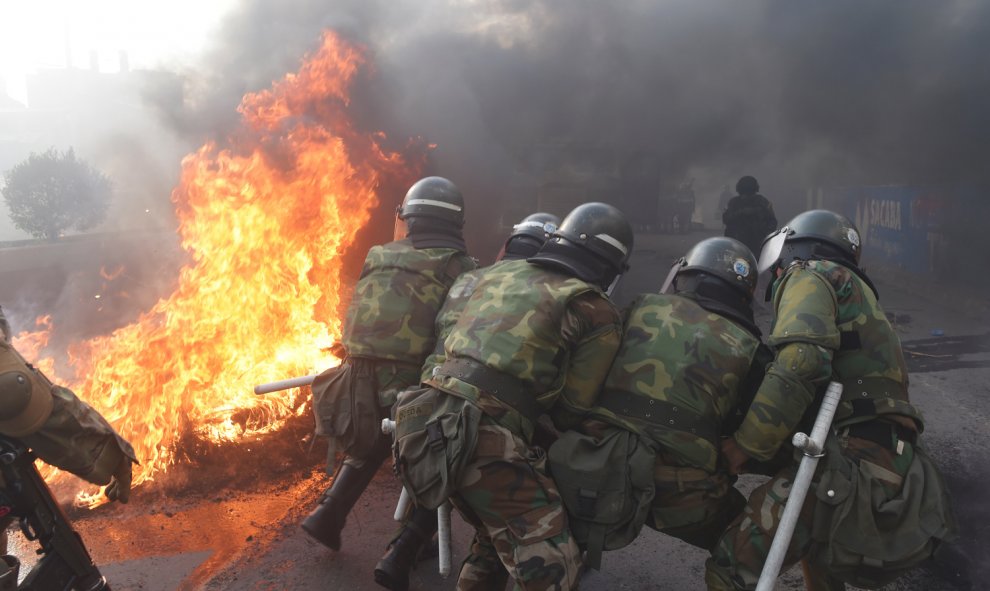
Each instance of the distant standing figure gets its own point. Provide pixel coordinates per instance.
(723, 200)
(749, 216)
(684, 206)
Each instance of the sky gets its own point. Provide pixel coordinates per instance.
(36, 33)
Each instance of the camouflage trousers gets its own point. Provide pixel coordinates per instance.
(514, 505)
(692, 504)
(738, 558)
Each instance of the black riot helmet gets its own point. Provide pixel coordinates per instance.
(593, 243)
(433, 199)
(815, 234)
(747, 185)
(724, 262)
(528, 236)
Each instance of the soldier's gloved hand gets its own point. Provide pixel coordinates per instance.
(119, 488)
(735, 456)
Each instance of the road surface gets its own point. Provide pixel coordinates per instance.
(233, 525)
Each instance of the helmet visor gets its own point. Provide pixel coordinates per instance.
(669, 281)
(772, 247)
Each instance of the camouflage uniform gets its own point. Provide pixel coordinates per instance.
(828, 326)
(553, 337)
(678, 379)
(450, 313)
(390, 322)
(72, 436)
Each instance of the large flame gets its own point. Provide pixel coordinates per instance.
(265, 222)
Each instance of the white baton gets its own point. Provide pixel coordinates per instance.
(812, 447)
(285, 384)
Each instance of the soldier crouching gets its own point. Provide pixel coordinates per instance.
(535, 337)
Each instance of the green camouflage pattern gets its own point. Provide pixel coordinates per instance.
(854, 309)
(392, 378)
(77, 439)
(693, 505)
(394, 306)
(508, 496)
(675, 351)
(555, 333)
(449, 314)
(482, 570)
(816, 302)
(738, 558)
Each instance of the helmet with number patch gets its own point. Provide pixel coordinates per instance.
(725, 259)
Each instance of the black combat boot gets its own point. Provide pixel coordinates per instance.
(325, 523)
(392, 571)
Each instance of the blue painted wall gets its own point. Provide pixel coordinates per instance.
(902, 226)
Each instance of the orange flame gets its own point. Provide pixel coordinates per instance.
(265, 224)
(31, 344)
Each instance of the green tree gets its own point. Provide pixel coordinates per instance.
(52, 192)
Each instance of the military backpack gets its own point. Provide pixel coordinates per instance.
(607, 487)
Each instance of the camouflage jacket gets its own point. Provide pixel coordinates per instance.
(449, 314)
(72, 435)
(555, 334)
(679, 377)
(842, 334)
(76, 438)
(394, 306)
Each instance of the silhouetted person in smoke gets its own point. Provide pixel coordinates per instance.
(749, 216)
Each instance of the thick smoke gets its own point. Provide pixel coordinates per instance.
(798, 94)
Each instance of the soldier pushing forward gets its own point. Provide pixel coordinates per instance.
(878, 505)
(388, 332)
(536, 336)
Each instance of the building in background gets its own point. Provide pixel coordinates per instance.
(111, 120)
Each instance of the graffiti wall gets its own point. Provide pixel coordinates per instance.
(902, 226)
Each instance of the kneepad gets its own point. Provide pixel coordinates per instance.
(25, 398)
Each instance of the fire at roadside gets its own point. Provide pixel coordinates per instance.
(265, 224)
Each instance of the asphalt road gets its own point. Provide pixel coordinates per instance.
(245, 535)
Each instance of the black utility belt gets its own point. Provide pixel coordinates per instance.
(883, 433)
(658, 412)
(507, 389)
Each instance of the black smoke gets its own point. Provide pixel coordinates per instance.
(798, 94)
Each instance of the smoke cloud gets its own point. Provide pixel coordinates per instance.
(797, 94)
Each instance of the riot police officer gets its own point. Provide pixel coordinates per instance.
(535, 337)
(749, 216)
(829, 326)
(691, 357)
(388, 332)
(526, 238)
